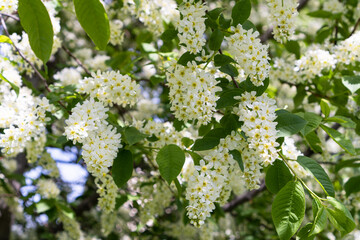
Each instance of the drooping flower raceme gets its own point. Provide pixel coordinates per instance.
(283, 13)
(191, 26)
(250, 54)
(209, 182)
(348, 51)
(258, 115)
(116, 32)
(47, 188)
(111, 87)
(192, 92)
(313, 62)
(87, 125)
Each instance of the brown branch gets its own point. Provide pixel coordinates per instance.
(11, 16)
(246, 197)
(355, 26)
(268, 33)
(76, 59)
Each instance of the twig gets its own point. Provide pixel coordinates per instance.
(76, 59)
(23, 56)
(246, 197)
(11, 16)
(355, 26)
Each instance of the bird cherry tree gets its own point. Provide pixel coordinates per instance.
(195, 119)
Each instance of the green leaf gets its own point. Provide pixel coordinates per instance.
(313, 121)
(94, 20)
(352, 83)
(122, 168)
(339, 216)
(221, 60)
(170, 160)
(288, 123)
(352, 185)
(325, 109)
(293, 47)
(185, 58)
(314, 142)
(169, 34)
(227, 98)
(277, 176)
(230, 122)
(353, 163)
(44, 205)
(304, 232)
(187, 141)
(249, 86)
(339, 139)
(214, 14)
(210, 140)
(319, 173)
(36, 22)
(247, 25)
(5, 39)
(216, 39)
(237, 156)
(196, 157)
(67, 211)
(13, 86)
(288, 209)
(320, 218)
(320, 14)
(223, 22)
(120, 201)
(241, 11)
(344, 121)
(132, 135)
(230, 70)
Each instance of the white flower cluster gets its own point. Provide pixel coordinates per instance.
(152, 12)
(291, 152)
(348, 51)
(155, 198)
(333, 6)
(68, 76)
(209, 183)
(111, 87)
(191, 26)
(313, 62)
(250, 54)
(23, 118)
(35, 148)
(258, 115)
(192, 92)
(87, 125)
(116, 33)
(107, 191)
(9, 71)
(47, 188)
(283, 69)
(71, 226)
(283, 13)
(48, 163)
(8, 6)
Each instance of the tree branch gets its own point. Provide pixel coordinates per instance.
(246, 197)
(76, 59)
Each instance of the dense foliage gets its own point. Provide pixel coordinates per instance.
(194, 119)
